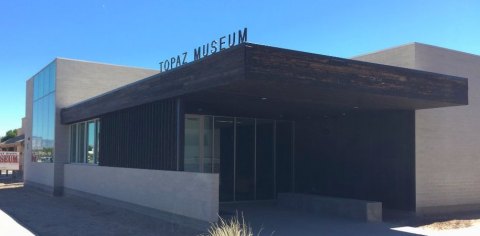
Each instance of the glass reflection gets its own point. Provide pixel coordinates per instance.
(43, 117)
(252, 156)
(91, 143)
(84, 140)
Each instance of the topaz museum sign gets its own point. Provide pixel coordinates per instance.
(205, 50)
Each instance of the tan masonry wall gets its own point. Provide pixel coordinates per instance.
(447, 139)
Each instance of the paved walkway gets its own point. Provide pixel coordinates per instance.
(9, 226)
(43, 214)
(24, 211)
(270, 218)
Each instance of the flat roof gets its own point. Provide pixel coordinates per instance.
(255, 71)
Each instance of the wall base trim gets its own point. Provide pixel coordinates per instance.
(163, 215)
(38, 186)
(451, 209)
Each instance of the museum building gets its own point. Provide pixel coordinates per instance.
(247, 123)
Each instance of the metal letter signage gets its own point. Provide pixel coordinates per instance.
(9, 161)
(205, 50)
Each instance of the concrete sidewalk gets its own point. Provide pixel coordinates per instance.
(269, 218)
(43, 214)
(24, 211)
(9, 226)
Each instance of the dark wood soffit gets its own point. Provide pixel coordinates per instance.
(307, 69)
(216, 70)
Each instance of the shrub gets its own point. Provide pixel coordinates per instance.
(232, 227)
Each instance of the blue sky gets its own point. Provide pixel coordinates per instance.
(141, 33)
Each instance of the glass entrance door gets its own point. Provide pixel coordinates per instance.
(254, 157)
(198, 150)
(224, 153)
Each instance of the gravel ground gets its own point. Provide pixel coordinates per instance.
(44, 214)
(451, 224)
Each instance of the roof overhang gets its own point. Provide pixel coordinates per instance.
(250, 71)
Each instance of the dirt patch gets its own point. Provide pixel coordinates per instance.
(451, 224)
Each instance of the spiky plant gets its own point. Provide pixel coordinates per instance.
(232, 227)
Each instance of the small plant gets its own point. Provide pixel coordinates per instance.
(232, 227)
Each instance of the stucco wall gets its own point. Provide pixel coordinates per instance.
(188, 194)
(447, 139)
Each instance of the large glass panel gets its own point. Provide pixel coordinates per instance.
(50, 117)
(284, 161)
(84, 142)
(46, 76)
(52, 120)
(73, 143)
(43, 120)
(97, 141)
(224, 155)
(81, 143)
(91, 142)
(35, 88)
(192, 144)
(207, 144)
(53, 73)
(265, 160)
(40, 85)
(245, 159)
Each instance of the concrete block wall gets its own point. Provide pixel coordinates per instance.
(75, 82)
(193, 195)
(447, 139)
(80, 80)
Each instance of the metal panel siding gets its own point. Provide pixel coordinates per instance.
(140, 137)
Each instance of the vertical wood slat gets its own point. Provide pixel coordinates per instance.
(142, 137)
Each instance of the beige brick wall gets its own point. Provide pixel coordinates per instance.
(447, 139)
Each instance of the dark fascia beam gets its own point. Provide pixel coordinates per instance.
(270, 66)
(216, 70)
(287, 67)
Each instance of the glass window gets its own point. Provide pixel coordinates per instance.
(264, 166)
(73, 143)
(81, 143)
(254, 157)
(224, 151)
(52, 120)
(43, 120)
(84, 144)
(46, 76)
(97, 141)
(35, 88)
(198, 150)
(245, 159)
(207, 144)
(40, 84)
(91, 142)
(53, 68)
(192, 144)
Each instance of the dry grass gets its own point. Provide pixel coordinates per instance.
(232, 227)
(451, 224)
